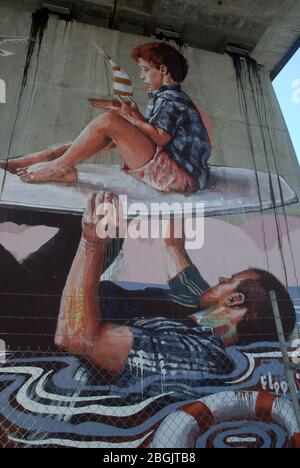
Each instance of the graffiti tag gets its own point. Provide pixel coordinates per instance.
(269, 382)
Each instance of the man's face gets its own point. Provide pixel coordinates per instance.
(218, 295)
(223, 307)
(152, 77)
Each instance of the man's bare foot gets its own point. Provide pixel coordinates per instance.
(12, 165)
(45, 173)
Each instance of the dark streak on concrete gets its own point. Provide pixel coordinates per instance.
(250, 74)
(241, 65)
(38, 27)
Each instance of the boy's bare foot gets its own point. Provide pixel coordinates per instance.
(12, 165)
(45, 173)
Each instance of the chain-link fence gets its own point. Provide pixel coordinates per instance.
(179, 387)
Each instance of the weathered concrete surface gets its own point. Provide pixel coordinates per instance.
(280, 36)
(53, 107)
(268, 27)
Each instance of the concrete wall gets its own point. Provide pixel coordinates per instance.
(53, 106)
(87, 406)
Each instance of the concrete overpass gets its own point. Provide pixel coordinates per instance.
(267, 29)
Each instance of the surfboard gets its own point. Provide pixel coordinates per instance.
(230, 190)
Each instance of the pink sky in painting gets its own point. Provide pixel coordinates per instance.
(227, 249)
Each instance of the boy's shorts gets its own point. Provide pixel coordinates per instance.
(164, 174)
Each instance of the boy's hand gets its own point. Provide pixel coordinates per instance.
(105, 104)
(129, 110)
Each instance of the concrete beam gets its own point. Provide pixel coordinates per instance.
(144, 7)
(267, 28)
(281, 37)
(258, 10)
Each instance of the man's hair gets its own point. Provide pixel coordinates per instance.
(161, 53)
(259, 323)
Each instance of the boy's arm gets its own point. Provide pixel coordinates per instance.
(130, 111)
(79, 329)
(157, 135)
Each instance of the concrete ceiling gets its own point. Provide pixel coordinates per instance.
(268, 29)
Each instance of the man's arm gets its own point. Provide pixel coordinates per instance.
(79, 328)
(185, 281)
(177, 258)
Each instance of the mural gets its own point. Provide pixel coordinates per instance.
(115, 340)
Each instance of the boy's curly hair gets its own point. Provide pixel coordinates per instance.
(161, 53)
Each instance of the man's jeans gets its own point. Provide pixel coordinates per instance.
(30, 292)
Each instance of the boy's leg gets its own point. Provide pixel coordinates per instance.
(135, 147)
(12, 165)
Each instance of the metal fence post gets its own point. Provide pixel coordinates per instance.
(285, 356)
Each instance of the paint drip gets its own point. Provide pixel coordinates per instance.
(39, 25)
(252, 77)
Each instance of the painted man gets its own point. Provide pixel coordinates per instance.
(236, 311)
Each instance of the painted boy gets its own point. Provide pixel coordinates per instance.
(168, 149)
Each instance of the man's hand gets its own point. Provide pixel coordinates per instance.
(174, 251)
(174, 235)
(100, 219)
